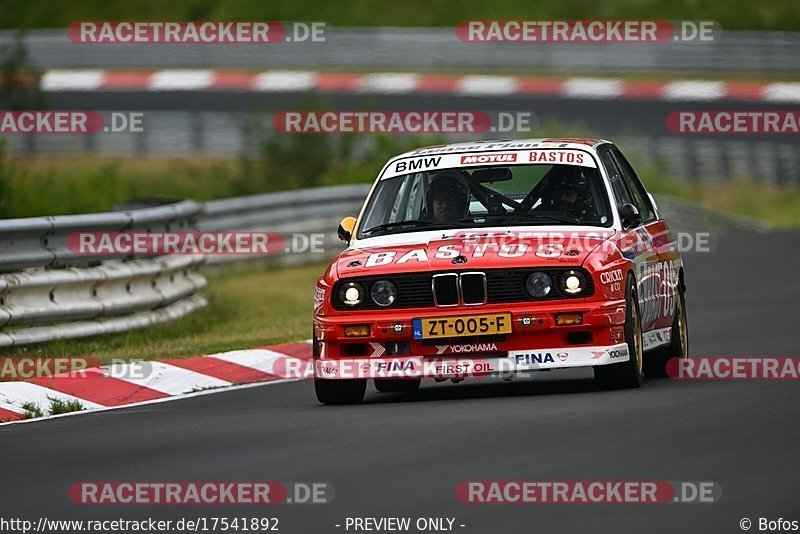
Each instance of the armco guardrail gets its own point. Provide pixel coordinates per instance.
(419, 48)
(42, 241)
(58, 294)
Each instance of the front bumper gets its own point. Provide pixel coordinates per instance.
(464, 367)
(535, 343)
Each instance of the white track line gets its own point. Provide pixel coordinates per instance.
(12, 407)
(285, 80)
(168, 379)
(390, 82)
(487, 85)
(597, 88)
(19, 392)
(72, 80)
(694, 90)
(782, 92)
(154, 401)
(181, 80)
(260, 359)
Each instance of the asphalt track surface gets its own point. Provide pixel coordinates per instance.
(402, 455)
(613, 117)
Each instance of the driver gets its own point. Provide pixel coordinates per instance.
(447, 196)
(568, 192)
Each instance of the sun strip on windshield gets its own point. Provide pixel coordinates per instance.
(544, 156)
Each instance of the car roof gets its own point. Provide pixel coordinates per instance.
(508, 144)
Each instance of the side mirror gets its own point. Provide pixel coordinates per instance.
(630, 216)
(346, 229)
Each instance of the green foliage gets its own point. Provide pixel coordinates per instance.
(731, 14)
(59, 406)
(32, 410)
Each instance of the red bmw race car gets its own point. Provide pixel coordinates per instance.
(500, 258)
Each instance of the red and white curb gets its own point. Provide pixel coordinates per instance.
(122, 385)
(419, 83)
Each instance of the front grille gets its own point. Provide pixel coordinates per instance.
(473, 288)
(417, 290)
(445, 289)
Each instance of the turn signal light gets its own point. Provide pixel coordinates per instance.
(358, 330)
(568, 319)
(617, 334)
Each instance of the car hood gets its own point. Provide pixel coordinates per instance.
(467, 250)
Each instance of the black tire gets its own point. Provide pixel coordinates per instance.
(397, 385)
(336, 391)
(626, 374)
(655, 362)
(349, 391)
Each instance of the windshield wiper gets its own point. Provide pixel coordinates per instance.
(526, 216)
(401, 224)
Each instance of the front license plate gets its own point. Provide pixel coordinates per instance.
(467, 325)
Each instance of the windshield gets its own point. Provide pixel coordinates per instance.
(487, 196)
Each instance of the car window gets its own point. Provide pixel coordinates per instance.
(621, 194)
(640, 199)
(492, 195)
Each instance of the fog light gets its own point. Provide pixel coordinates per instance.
(358, 330)
(568, 319)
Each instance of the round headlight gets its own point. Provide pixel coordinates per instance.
(383, 293)
(573, 282)
(351, 294)
(539, 284)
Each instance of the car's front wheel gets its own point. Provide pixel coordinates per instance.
(626, 374)
(340, 391)
(336, 391)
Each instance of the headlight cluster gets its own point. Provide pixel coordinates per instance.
(540, 284)
(383, 293)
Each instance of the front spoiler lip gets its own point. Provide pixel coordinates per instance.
(465, 366)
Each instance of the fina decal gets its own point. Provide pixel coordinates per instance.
(531, 358)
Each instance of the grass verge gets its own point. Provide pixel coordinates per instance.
(777, 207)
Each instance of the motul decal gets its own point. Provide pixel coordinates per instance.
(489, 158)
